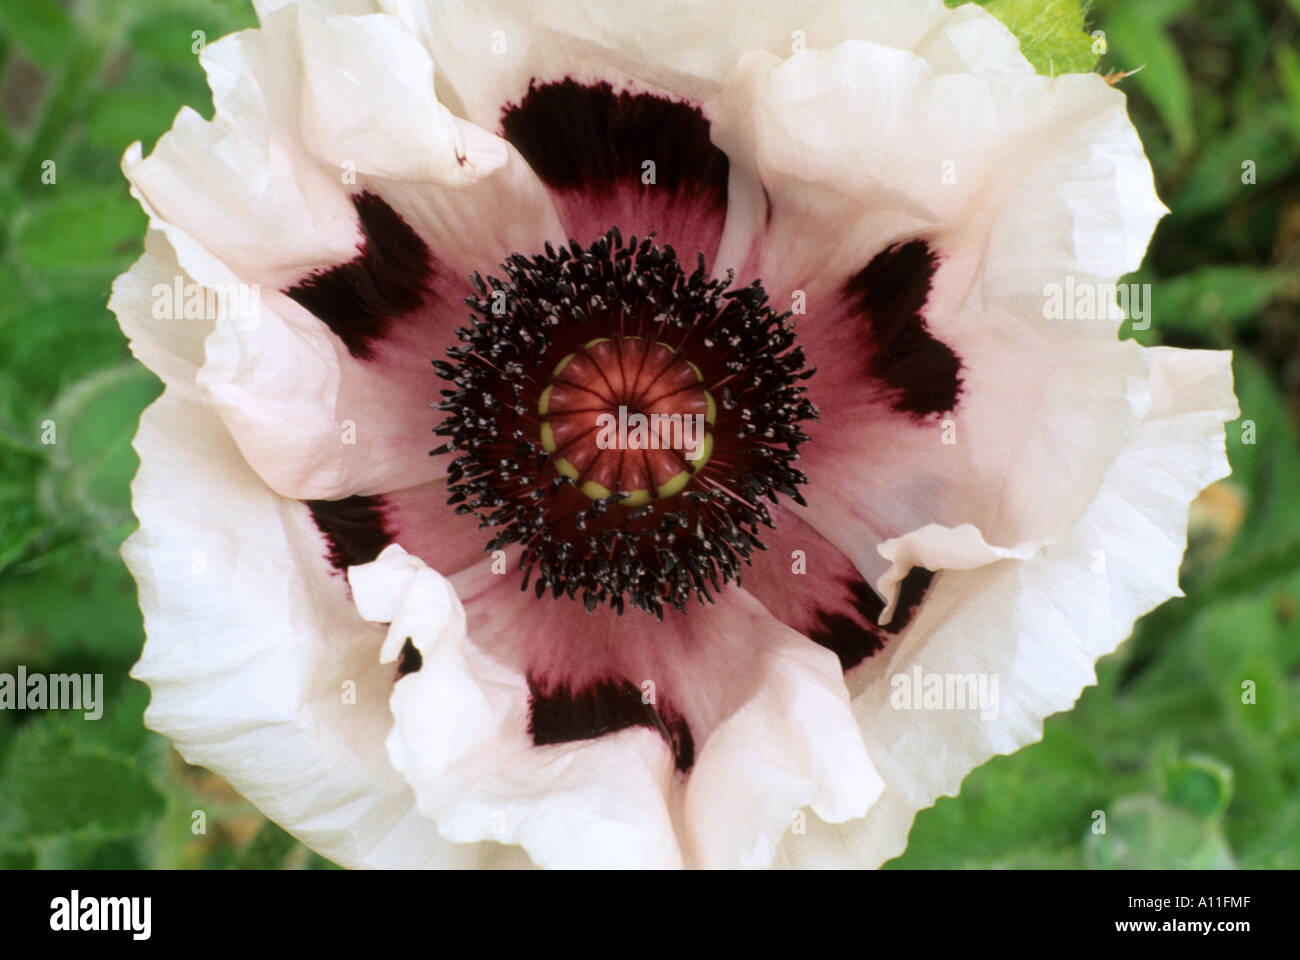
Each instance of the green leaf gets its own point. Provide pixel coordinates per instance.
(1137, 39)
(1142, 833)
(1275, 847)
(1265, 458)
(130, 115)
(1050, 32)
(1238, 644)
(268, 849)
(72, 601)
(1288, 68)
(1038, 798)
(17, 858)
(41, 27)
(92, 463)
(57, 783)
(35, 347)
(1199, 784)
(1204, 300)
(1215, 178)
(168, 37)
(81, 228)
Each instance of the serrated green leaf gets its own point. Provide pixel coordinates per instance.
(74, 601)
(90, 463)
(1050, 32)
(55, 784)
(1039, 797)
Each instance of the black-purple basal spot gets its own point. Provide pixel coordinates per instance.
(849, 623)
(561, 715)
(354, 529)
(388, 278)
(587, 137)
(888, 296)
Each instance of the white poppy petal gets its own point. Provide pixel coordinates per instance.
(793, 744)
(973, 404)
(143, 300)
(1039, 624)
(264, 198)
(469, 729)
(490, 51)
(499, 59)
(259, 667)
(461, 739)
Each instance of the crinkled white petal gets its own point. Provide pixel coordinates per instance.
(168, 344)
(490, 51)
(260, 668)
(1026, 179)
(369, 103)
(1016, 181)
(461, 738)
(1038, 625)
(744, 792)
(310, 109)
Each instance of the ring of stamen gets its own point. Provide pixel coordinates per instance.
(547, 391)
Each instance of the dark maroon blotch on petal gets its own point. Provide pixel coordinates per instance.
(889, 295)
(855, 638)
(355, 528)
(587, 137)
(850, 638)
(911, 592)
(561, 715)
(389, 277)
(410, 661)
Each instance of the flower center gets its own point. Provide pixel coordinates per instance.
(622, 421)
(629, 414)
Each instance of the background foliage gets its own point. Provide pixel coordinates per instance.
(1186, 774)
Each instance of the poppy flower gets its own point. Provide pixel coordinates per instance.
(600, 429)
